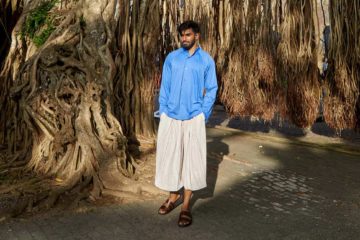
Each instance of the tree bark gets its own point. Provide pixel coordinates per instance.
(138, 64)
(60, 101)
(342, 99)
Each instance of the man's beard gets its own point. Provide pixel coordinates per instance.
(188, 46)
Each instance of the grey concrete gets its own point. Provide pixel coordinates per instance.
(259, 187)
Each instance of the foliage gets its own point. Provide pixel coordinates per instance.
(41, 38)
(35, 21)
(82, 21)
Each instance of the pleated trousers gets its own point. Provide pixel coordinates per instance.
(181, 154)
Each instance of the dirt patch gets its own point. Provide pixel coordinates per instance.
(121, 190)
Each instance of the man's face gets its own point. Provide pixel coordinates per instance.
(188, 38)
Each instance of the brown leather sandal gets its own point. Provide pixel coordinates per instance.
(185, 218)
(168, 206)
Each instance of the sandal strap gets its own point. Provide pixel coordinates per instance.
(185, 218)
(186, 214)
(171, 205)
(167, 206)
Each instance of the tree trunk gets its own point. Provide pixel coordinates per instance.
(60, 103)
(9, 14)
(249, 82)
(297, 53)
(138, 64)
(342, 99)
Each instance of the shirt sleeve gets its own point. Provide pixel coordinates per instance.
(165, 87)
(210, 89)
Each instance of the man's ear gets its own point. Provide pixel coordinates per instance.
(197, 36)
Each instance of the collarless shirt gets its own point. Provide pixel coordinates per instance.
(188, 85)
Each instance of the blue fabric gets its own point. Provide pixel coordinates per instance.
(184, 79)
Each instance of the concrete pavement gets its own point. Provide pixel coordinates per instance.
(259, 187)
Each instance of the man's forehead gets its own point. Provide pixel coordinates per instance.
(187, 31)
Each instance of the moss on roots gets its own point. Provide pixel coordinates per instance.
(39, 23)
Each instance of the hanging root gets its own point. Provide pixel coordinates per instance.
(60, 107)
(341, 104)
(297, 57)
(249, 85)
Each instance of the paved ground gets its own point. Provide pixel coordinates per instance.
(260, 186)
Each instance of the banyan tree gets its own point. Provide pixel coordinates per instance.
(78, 80)
(342, 99)
(77, 87)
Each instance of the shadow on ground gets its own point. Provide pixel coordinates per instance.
(220, 117)
(257, 189)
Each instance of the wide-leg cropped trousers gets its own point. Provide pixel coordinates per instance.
(181, 154)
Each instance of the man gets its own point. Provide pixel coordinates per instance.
(187, 94)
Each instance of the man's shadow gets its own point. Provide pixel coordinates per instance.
(216, 149)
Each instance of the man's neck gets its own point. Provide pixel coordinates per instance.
(192, 50)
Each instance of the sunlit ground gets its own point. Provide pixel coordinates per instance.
(258, 188)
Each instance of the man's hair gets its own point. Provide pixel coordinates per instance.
(189, 25)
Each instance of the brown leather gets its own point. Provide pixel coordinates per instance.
(185, 219)
(166, 207)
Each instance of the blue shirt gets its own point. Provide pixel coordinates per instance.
(188, 85)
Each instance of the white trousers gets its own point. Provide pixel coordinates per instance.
(181, 154)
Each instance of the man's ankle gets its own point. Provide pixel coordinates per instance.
(185, 207)
(174, 196)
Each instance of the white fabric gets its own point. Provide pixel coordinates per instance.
(181, 154)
